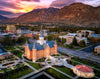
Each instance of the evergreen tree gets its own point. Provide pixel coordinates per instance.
(75, 42)
(82, 43)
(63, 40)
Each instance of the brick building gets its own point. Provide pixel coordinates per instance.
(40, 48)
(97, 49)
(11, 29)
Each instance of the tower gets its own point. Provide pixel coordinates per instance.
(41, 37)
(55, 46)
(34, 51)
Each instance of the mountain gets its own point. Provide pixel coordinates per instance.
(5, 12)
(2, 17)
(74, 14)
(77, 14)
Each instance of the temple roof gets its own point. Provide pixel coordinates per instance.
(83, 68)
(41, 47)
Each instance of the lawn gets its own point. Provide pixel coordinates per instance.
(35, 65)
(56, 74)
(1, 71)
(21, 73)
(66, 70)
(15, 74)
(97, 73)
(87, 63)
(18, 53)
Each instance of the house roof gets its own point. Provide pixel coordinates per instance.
(41, 47)
(84, 68)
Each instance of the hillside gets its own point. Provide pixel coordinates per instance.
(2, 17)
(76, 14)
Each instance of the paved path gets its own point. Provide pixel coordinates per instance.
(30, 74)
(80, 54)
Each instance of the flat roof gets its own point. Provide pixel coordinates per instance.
(98, 46)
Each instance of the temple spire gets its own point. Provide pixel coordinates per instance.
(26, 44)
(34, 47)
(55, 42)
(41, 32)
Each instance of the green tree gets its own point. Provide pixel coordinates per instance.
(63, 40)
(93, 40)
(75, 42)
(82, 43)
(21, 39)
(7, 41)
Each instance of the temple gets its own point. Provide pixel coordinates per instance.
(40, 48)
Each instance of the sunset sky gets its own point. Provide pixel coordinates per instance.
(14, 8)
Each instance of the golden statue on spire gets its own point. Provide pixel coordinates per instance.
(41, 27)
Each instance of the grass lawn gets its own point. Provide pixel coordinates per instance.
(73, 63)
(56, 74)
(97, 73)
(20, 74)
(87, 63)
(18, 53)
(66, 70)
(35, 65)
(9, 48)
(1, 70)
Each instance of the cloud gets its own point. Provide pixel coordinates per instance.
(94, 3)
(5, 12)
(61, 3)
(32, 0)
(9, 4)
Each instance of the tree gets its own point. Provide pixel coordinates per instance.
(82, 43)
(93, 40)
(21, 39)
(63, 40)
(7, 41)
(75, 42)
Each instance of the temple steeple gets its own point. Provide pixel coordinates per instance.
(41, 32)
(26, 44)
(55, 42)
(34, 47)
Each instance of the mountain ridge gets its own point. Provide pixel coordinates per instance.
(76, 13)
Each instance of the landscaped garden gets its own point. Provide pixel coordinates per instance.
(35, 65)
(56, 74)
(18, 53)
(87, 62)
(19, 72)
(66, 70)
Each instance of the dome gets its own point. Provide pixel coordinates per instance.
(83, 71)
(83, 68)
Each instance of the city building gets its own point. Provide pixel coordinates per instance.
(96, 36)
(40, 48)
(83, 71)
(23, 30)
(3, 53)
(97, 49)
(46, 32)
(70, 36)
(85, 33)
(11, 28)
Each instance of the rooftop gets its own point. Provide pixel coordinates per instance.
(98, 46)
(41, 47)
(84, 68)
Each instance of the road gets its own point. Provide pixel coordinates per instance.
(80, 54)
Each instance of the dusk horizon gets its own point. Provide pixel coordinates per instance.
(15, 8)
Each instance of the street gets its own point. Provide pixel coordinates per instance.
(80, 54)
